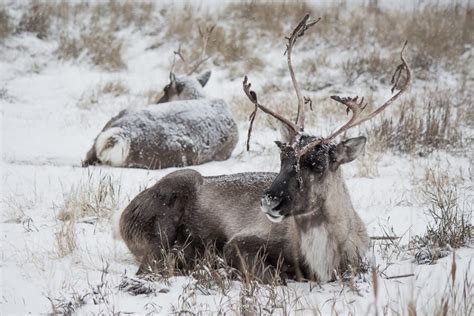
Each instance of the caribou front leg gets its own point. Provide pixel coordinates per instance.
(258, 258)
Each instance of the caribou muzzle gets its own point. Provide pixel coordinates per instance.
(272, 207)
(164, 98)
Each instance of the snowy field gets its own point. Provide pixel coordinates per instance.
(67, 67)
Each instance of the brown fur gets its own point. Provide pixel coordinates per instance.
(226, 211)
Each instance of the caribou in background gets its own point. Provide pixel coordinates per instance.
(185, 128)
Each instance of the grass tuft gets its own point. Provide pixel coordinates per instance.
(6, 28)
(419, 128)
(451, 221)
(97, 198)
(36, 19)
(104, 49)
(65, 238)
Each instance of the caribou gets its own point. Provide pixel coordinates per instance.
(302, 218)
(184, 128)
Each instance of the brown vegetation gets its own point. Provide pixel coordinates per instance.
(449, 212)
(95, 199)
(5, 23)
(423, 124)
(104, 49)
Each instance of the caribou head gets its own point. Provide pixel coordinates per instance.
(309, 173)
(185, 87)
(303, 181)
(189, 87)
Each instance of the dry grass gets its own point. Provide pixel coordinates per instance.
(65, 238)
(115, 88)
(442, 34)
(36, 19)
(98, 23)
(94, 199)
(123, 14)
(368, 166)
(372, 65)
(67, 305)
(210, 274)
(5, 23)
(182, 23)
(103, 48)
(15, 208)
(96, 293)
(227, 47)
(437, 36)
(92, 97)
(261, 16)
(39, 16)
(457, 298)
(450, 215)
(422, 126)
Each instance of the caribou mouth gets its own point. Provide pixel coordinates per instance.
(275, 218)
(278, 206)
(273, 211)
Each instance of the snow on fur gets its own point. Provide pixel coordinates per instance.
(173, 134)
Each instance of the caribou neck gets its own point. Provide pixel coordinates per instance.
(318, 240)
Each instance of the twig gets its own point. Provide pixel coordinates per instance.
(400, 276)
(384, 238)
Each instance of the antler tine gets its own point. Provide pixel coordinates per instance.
(395, 80)
(180, 55)
(253, 98)
(358, 107)
(298, 32)
(205, 42)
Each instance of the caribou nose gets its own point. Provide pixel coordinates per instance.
(269, 203)
(270, 206)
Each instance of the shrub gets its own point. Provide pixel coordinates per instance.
(419, 132)
(5, 23)
(103, 48)
(36, 19)
(96, 199)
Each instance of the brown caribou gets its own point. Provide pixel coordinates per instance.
(301, 218)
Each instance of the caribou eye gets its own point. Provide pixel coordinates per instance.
(166, 88)
(318, 169)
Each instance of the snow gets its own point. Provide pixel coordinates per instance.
(45, 135)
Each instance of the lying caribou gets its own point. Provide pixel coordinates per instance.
(188, 129)
(301, 218)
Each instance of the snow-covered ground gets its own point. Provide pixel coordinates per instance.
(51, 111)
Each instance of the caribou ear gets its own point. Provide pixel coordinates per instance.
(204, 78)
(348, 150)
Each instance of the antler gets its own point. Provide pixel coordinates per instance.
(298, 126)
(205, 37)
(253, 98)
(358, 107)
(302, 27)
(180, 55)
(205, 42)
